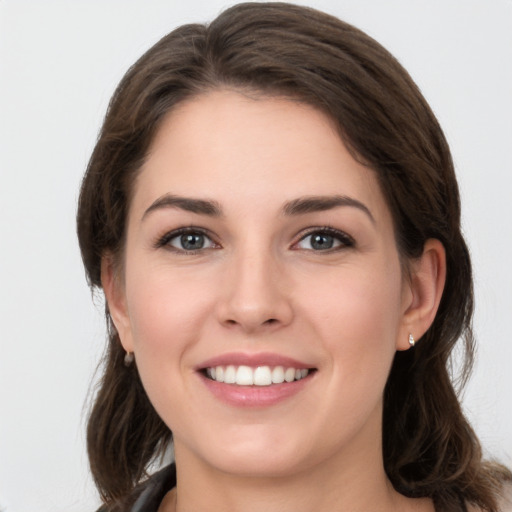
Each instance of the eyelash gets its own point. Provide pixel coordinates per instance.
(165, 240)
(345, 240)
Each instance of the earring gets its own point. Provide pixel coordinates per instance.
(128, 358)
(412, 341)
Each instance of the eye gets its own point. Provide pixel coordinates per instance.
(187, 240)
(325, 239)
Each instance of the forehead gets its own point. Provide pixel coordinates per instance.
(235, 148)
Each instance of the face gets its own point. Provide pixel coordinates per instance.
(261, 291)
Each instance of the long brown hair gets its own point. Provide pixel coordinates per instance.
(281, 49)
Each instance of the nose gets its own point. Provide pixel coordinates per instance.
(255, 294)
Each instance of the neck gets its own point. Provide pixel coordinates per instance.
(308, 491)
(353, 480)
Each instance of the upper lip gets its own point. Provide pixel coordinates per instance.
(253, 360)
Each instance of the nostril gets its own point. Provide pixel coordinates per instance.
(270, 321)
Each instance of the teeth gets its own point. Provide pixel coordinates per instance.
(262, 376)
(278, 375)
(289, 375)
(230, 375)
(244, 376)
(259, 376)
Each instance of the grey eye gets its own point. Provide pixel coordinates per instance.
(191, 241)
(324, 240)
(320, 241)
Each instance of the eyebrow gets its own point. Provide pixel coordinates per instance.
(311, 204)
(299, 206)
(189, 204)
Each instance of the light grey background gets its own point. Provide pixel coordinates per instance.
(59, 64)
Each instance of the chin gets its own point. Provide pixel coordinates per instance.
(271, 463)
(250, 452)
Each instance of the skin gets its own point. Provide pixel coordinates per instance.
(257, 286)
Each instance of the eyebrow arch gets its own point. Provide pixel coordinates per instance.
(189, 204)
(311, 204)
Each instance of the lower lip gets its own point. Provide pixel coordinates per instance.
(255, 396)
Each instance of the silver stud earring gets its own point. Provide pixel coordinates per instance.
(128, 358)
(412, 341)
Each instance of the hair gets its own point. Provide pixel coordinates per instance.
(278, 49)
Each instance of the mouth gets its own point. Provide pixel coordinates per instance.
(260, 376)
(256, 380)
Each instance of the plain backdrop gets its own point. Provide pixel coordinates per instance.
(59, 64)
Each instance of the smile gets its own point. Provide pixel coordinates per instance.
(255, 376)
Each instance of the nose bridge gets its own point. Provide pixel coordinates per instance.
(255, 289)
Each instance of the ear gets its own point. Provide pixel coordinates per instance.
(425, 289)
(114, 290)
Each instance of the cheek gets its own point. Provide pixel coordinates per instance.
(358, 322)
(357, 314)
(167, 317)
(165, 308)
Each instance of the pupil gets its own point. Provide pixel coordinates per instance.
(192, 241)
(322, 241)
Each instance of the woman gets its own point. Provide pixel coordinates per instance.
(272, 213)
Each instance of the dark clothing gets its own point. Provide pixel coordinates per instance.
(148, 496)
